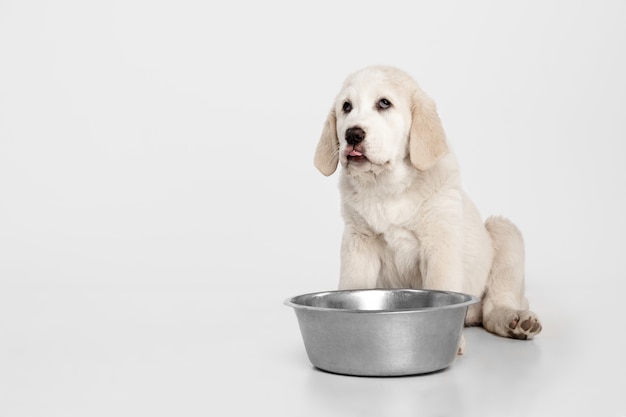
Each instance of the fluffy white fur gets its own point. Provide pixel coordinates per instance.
(408, 222)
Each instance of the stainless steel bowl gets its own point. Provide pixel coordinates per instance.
(381, 332)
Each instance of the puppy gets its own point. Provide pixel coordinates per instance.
(408, 222)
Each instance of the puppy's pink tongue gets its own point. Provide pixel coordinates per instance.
(355, 153)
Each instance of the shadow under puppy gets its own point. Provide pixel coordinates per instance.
(408, 222)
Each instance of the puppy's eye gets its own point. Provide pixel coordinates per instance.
(347, 107)
(383, 104)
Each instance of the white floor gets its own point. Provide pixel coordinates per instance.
(194, 350)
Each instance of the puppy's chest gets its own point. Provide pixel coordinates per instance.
(387, 215)
(394, 220)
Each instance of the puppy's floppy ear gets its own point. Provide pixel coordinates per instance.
(327, 152)
(427, 139)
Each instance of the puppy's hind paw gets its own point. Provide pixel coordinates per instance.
(524, 325)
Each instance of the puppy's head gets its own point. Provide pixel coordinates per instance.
(380, 118)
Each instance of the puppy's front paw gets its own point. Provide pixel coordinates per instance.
(524, 325)
(461, 345)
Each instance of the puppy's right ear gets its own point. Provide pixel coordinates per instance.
(327, 152)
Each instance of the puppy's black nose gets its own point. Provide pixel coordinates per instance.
(355, 135)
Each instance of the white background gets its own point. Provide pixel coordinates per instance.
(158, 200)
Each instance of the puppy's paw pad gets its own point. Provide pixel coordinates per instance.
(524, 325)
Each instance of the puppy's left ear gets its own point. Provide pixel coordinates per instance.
(427, 139)
(327, 152)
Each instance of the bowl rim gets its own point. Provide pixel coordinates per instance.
(471, 299)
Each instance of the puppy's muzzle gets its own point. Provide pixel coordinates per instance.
(355, 135)
(355, 151)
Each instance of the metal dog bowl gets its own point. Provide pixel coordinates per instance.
(381, 332)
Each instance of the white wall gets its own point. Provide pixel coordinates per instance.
(171, 142)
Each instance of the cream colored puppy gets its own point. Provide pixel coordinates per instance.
(408, 222)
